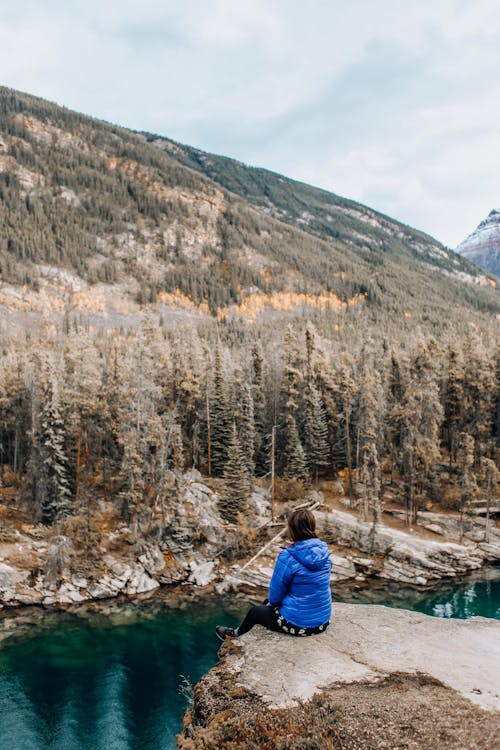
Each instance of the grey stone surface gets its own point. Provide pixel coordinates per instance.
(407, 558)
(366, 643)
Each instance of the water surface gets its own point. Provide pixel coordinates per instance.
(116, 682)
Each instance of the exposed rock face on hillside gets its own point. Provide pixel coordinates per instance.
(483, 245)
(377, 678)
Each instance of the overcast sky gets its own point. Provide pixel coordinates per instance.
(394, 104)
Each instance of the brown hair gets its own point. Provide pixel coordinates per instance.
(302, 525)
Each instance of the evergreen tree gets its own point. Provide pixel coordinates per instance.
(187, 378)
(246, 427)
(347, 390)
(15, 414)
(220, 420)
(259, 403)
(132, 494)
(87, 408)
(289, 394)
(420, 418)
(369, 419)
(140, 432)
(236, 491)
(496, 402)
(294, 455)
(453, 402)
(292, 373)
(479, 388)
(315, 430)
(492, 480)
(395, 413)
(178, 461)
(468, 485)
(49, 474)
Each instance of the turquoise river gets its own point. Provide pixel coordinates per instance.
(120, 678)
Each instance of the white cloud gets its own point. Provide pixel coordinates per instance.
(392, 103)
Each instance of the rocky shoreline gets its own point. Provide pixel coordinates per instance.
(52, 573)
(377, 678)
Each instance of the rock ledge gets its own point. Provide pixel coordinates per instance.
(414, 677)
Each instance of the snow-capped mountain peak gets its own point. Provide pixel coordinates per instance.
(483, 245)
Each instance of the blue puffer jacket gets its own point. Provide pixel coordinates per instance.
(300, 585)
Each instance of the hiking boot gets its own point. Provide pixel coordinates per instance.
(224, 634)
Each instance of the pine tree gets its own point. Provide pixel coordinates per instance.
(132, 493)
(420, 416)
(347, 391)
(292, 373)
(479, 388)
(315, 430)
(246, 427)
(14, 413)
(468, 485)
(259, 403)
(140, 433)
(187, 378)
(88, 409)
(294, 455)
(453, 402)
(49, 474)
(369, 419)
(178, 461)
(496, 402)
(236, 491)
(220, 420)
(492, 480)
(395, 412)
(321, 376)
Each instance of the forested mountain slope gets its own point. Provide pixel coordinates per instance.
(316, 211)
(99, 220)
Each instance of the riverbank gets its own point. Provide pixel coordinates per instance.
(378, 678)
(477, 594)
(197, 550)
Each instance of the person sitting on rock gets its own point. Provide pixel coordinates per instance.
(300, 600)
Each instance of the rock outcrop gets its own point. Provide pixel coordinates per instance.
(52, 572)
(402, 556)
(377, 678)
(359, 553)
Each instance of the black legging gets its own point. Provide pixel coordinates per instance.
(261, 614)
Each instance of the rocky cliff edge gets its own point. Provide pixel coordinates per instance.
(378, 678)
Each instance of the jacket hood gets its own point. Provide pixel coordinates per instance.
(311, 553)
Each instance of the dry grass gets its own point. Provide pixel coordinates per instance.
(410, 712)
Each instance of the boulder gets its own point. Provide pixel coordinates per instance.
(69, 594)
(343, 568)
(9, 579)
(202, 573)
(258, 504)
(153, 561)
(140, 583)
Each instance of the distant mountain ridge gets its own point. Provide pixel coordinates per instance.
(101, 221)
(483, 245)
